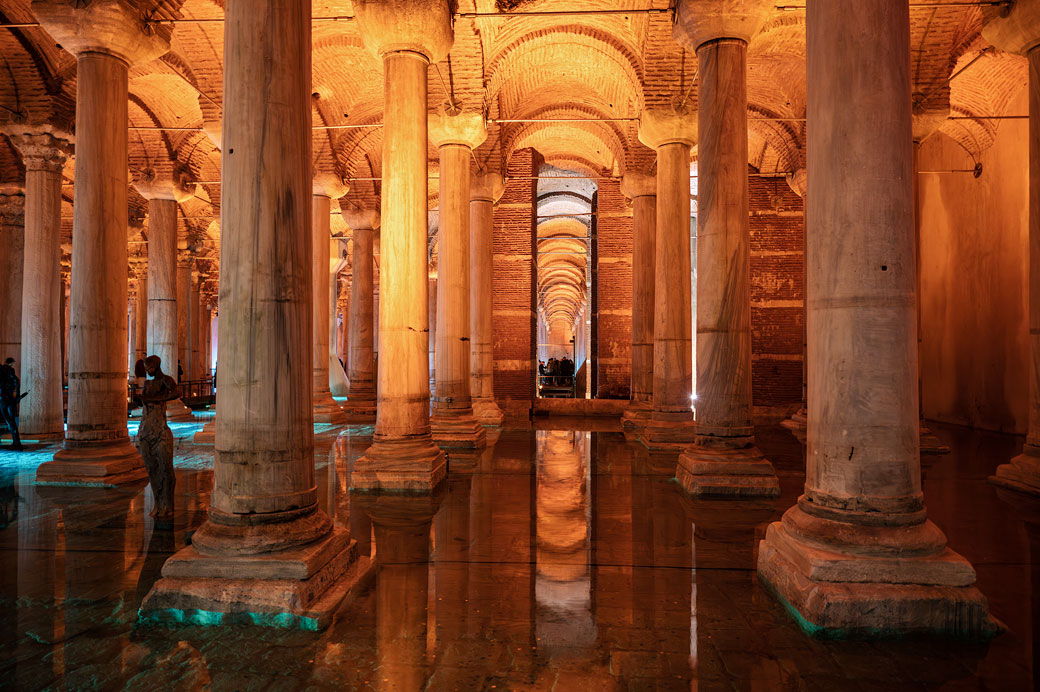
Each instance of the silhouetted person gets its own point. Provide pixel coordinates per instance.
(10, 395)
(154, 438)
(180, 371)
(140, 377)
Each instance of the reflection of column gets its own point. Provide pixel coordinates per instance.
(485, 190)
(723, 460)
(642, 190)
(266, 550)
(361, 399)
(857, 553)
(1019, 32)
(42, 413)
(37, 598)
(326, 410)
(408, 35)
(455, 660)
(106, 37)
(671, 422)
(452, 420)
(12, 235)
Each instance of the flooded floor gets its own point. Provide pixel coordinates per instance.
(557, 560)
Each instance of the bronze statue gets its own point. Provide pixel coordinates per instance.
(154, 438)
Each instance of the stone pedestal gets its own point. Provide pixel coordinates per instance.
(451, 420)
(723, 460)
(106, 37)
(42, 414)
(326, 410)
(642, 190)
(361, 366)
(670, 426)
(857, 554)
(408, 36)
(266, 554)
(485, 190)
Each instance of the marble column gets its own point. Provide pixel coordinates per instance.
(42, 414)
(185, 264)
(1019, 32)
(857, 554)
(141, 312)
(12, 237)
(670, 426)
(797, 181)
(163, 194)
(106, 37)
(267, 553)
(408, 35)
(485, 191)
(642, 190)
(326, 187)
(361, 364)
(195, 328)
(452, 420)
(337, 384)
(723, 459)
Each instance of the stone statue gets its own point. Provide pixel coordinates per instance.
(154, 438)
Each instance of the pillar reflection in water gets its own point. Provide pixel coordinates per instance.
(563, 586)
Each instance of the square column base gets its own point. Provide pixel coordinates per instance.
(457, 431)
(930, 444)
(405, 465)
(329, 413)
(178, 412)
(291, 589)
(487, 413)
(636, 415)
(863, 598)
(668, 431)
(107, 466)
(726, 472)
(207, 435)
(1021, 474)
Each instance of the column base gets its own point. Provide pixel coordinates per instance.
(207, 435)
(798, 424)
(487, 413)
(326, 410)
(360, 409)
(93, 466)
(46, 437)
(636, 416)
(1022, 473)
(839, 593)
(730, 472)
(177, 411)
(405, 465)
(300, 588)
(930, 444)
(458, 430)
(668, 431)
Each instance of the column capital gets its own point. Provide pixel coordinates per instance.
(798, 181)
(185, 259)
(12, 205)
(638, 185)
(360, 219)
(700, 21)
(658, 127)
(1016, 30)
(112, 27)
(329, 185)
(415, 26)
(924, 123)
(486, 187)
(464, 128)
(41, 149)
(174, 185)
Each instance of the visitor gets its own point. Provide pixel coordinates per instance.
(9, 397)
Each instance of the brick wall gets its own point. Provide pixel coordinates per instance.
(614, 294)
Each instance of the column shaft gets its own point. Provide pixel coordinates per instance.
(360, 328)
(482, 347)
(12, 239)
(194, 313)
(326, 410)
(644, 228)
(141, 317)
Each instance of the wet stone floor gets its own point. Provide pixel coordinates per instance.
(556, 560)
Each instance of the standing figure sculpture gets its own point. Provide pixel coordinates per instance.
(10, 395)
(154, 438)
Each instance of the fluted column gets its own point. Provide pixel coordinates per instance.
(266, 548)
(407, 35)
(452, 420)
(163, 194)
(106, 36)
(42, 414)
(361, 364)
(642, 190)
(670, 426)
(857, 554)
(326, 187)
(12, 237)
(723, 460)
(485, 191)
(1019, 32)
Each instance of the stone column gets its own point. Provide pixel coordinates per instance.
(857, 554)
(163, 194)
(642, 190)
(452, 421)
(670, 426)
(796, 180)
(485, 190)
(337, 384)
(42, 414)
(185, 263)
(361, 365)
(12, 237)
(326, 187)
(1019, 32)
(141, 312)
(723, 460)
(408, 35)
(266, 552)
(107, 37)
(195, 328)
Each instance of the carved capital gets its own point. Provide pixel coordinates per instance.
(328, 185)
(658, 127)
(798, 181)
(465, 129)
(1015, 29)
(487, 187)
(417, 26)
(638, 185)
(174, 185)
(41, 151)
(113, 27)
(363, 219)
(700, 21)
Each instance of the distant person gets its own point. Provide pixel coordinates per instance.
(180, 371)
(10, 395)
(541, 367)
(140, 377)
(154, 438)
